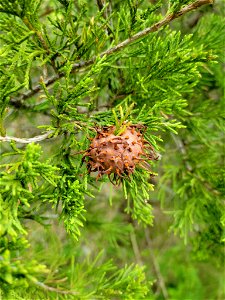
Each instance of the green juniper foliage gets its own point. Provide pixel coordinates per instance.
(69, 67)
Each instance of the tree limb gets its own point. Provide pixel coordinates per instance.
(34, 139)
(76, 66)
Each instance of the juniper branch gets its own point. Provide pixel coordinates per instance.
(181, 147)
(104, 14)
(76, 66)
(34, 139)
(41, 40)
(52, 289)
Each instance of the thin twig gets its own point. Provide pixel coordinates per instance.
(105, 15)
(48, 11)
(165, 21)
(41, 40)
(182, 149)
(52, 289)
(160, 278)
(34, 139)
(135, 247)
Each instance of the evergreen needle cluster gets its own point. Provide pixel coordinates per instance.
(69, 67)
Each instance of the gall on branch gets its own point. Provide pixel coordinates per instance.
(118, 155)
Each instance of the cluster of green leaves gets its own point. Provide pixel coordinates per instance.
(165, 81)
(87, 278)
(197, 174)
(21, 183)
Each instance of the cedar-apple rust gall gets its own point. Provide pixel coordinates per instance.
(118, 155)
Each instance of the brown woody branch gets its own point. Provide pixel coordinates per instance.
(165, 21)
